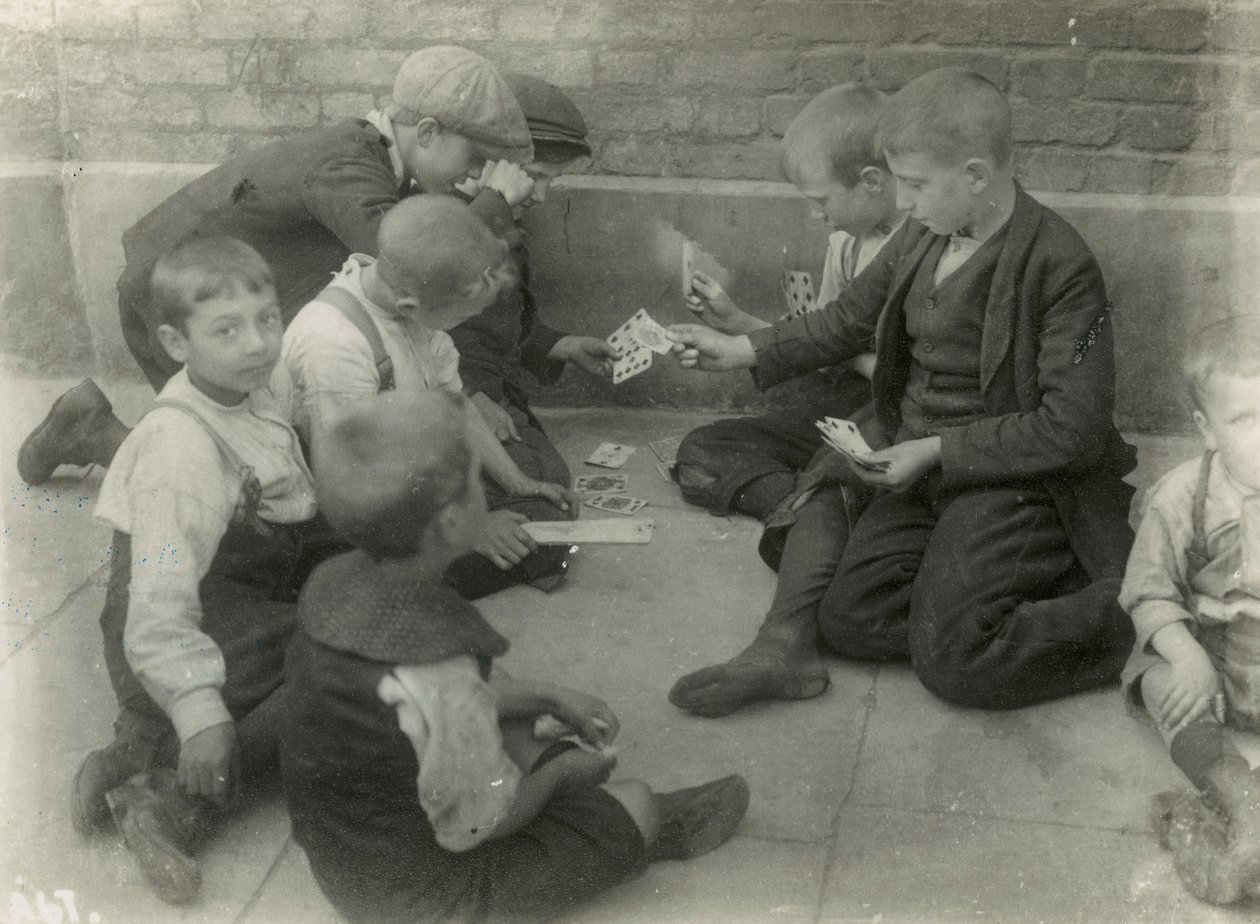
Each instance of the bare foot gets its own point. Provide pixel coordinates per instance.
(758, 673)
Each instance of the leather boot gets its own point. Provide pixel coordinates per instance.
(101, 771)
(160, 824)
(80, 429)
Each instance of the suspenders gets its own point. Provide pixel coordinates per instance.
(251, 488)
(357, 315)
(1197, 554)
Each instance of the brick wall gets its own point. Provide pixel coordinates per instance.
(1126, 96)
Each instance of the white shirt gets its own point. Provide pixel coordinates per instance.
(332, 365)
(172, 490)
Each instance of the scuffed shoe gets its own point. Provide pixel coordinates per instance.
(697, 820)
(104, 769)
(80, 429)
(158, 824)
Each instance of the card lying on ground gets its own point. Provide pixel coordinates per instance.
(844, 437)
(798, 293)
(596, 531)
(606, 484)
(610, 455)
(667, 449)
(616, 503)
(666, 470)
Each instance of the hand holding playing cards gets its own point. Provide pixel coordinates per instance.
(590, 354)
(906, 463)
(588, 715)
(508, 179)
(699, 347)
(497, 418)
(710, 303)
(504, 542)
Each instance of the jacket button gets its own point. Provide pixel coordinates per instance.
(929, 304)
(928, 348)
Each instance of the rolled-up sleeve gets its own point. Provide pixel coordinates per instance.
(1156, 590)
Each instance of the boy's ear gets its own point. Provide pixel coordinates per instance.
(1201, 421)
(872, 179)
(979, 173)
(174, 342)
(427, 130)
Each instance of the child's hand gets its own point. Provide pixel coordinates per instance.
(1192, 685)
(503, 541)
(580, 769)
(508, 179)
(699, 347)
(558, 494)
(590, 354)
(710, 303)
(588, 715)
(497, 418)
(907, 463)
(210, 763)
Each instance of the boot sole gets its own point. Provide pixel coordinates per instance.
(27, 470)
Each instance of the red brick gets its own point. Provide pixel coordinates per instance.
(27, 62)
(1193, 177)
(736, 20)
(628, 67)
(1117, 174)
(1236, 28)
(635, 157)
(1249, 84)
(1245, 134)
(565, 67)
(165, 19)
(893, 68)
(830, 21)
(33, 107)
(781, 110)
(1050, 169)
(1069, 123)
(169, 146)
(97, 19)
(27, 143)
(324, 66)
(1151, 80)
(27, 16)
(630, 21)
(421, 22)
(246, 107)
(728, 118)
(1013, 22)
(1059, 77)
(823, 69)
(746, 160)
(290, 19)
(1246, 178)
(156, 63)
(771, 71)
(532, 22)
(619, 113)
(1159, 129)
(1174, 29)
(135, 107)
(348, 105)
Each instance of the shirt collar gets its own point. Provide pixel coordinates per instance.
(385, 126)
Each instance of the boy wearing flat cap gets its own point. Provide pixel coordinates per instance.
(305, 203)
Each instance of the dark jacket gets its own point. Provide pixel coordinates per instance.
(496, 345)
(1046, 366)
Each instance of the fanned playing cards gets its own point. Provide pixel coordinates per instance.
(636, 340)
(844, 437)
(798, 292)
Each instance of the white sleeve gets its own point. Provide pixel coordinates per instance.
(445, 363)
(467, 782)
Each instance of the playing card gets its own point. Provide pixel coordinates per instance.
(616, 503)
(843, 436)
(798, 293)
(650, 334)
(610, 455)
(607, 484)
(666, 470)
(667, 449)
(632, 362)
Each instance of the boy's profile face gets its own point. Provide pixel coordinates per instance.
(941, 196)
(232, 343)
(454, 312)
(438, 159)
(853, 210)
(1230, 423)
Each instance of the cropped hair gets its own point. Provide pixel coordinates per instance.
(390, 466)
(951, 114)
(1230, 346)
(199, 269)
(838, 130)
(434, 249)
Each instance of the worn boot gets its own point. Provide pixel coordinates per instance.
(160, 824)
(1215, 838)
(105, 769)
(697, 820)
(80, 429)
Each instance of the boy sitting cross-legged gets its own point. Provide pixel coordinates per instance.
(207, 497)
(414, 781)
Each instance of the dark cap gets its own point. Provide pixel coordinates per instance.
(465, 94)
(554, 121)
